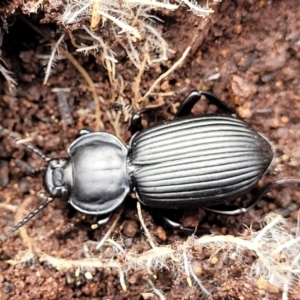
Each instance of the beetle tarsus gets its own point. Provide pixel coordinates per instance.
(222, 209)
(195, 96)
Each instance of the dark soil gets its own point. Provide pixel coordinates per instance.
(247, 53)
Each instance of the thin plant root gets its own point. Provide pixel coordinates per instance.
(155, 290)
(111, 229)
(181, 258)
(10, 207)
(21, 211)
(162, 76)
(137, 82)
(122, 280)
(149, 237)
(98, 124)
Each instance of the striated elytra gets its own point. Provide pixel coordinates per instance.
(204, 160)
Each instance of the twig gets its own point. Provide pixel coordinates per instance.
(63, 104)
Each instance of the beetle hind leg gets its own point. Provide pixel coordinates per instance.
(195, 96)
(223, 209)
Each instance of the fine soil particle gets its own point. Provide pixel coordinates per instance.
(247, 53)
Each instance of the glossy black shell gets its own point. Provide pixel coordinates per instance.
(202, 160)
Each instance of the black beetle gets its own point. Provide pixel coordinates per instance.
(188, 161)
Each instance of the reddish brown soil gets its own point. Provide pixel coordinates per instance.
(253, 46)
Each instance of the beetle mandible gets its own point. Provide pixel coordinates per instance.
(190, 160)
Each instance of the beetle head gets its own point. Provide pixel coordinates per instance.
(57, 179)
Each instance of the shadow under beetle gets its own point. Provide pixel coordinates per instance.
(187, 161)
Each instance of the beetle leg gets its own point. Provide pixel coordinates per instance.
(176, 225)
(236, 211)
(184, 109)
(82, 132)
(195, 96)
(136, 120)
(103, 221)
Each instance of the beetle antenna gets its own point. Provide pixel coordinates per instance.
(5, 235)
(28, 146)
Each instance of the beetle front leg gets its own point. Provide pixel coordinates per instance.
(195, 96)
(189, 230)
(82, 132)
(104, 220)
